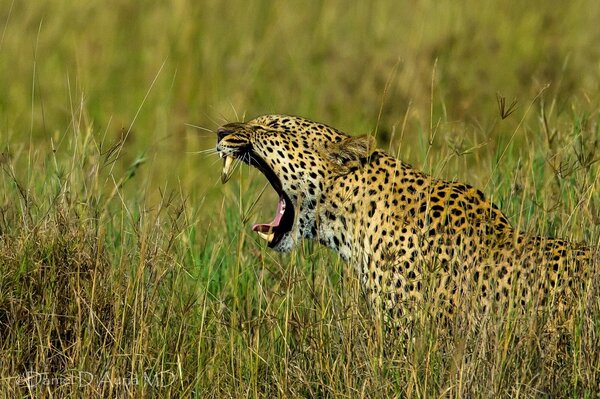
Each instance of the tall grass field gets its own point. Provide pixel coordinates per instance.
(128, 270)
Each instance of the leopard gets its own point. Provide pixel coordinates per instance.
(410, 237)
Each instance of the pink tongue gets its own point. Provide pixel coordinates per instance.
(264, 228)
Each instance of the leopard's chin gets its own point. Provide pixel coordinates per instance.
(285, 243)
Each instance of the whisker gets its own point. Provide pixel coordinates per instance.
(236, 164)
(207, 151)
(223, 117)
(200, 127)
(211, 119)
(251, 159)
(214, 162)
(237, 118)
(215, 120)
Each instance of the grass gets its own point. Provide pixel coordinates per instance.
(126, 269)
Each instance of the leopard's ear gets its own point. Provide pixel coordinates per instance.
(350, 152)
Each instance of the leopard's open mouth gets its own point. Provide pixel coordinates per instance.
(284, 216)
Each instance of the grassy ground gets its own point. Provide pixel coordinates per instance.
(127, 270)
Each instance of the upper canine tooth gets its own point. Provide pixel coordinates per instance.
(226, 174)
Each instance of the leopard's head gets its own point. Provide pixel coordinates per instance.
(299, 158)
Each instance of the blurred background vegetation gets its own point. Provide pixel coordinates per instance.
(149, 68)
(120, 251)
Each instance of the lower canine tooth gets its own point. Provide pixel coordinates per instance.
(226, 173)
(267, 237)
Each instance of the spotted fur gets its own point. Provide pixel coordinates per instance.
(409, 236)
